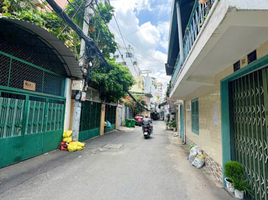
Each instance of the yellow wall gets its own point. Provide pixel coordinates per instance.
(139, 86)
(209, 138)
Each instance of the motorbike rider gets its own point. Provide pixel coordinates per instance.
(147, 121)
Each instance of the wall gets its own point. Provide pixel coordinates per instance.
(139, 86)
(209, 138)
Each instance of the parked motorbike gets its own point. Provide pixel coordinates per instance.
(147, 130)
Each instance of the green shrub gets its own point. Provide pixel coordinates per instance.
(174, 124)
(233, 170)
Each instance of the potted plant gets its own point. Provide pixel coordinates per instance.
(241, 187)
(167, 125)
(170, 125)
(233, 170)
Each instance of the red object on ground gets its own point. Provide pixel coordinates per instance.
(138, 118)
(63, 146)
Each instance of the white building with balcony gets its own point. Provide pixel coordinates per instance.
(218, 58)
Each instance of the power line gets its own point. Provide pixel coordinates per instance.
(122, 56)
(146, 25)
(71, 18)
(139, 48)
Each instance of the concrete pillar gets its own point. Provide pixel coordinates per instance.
(68, 95)
(102, 120)
(116, 117)
(76, 120)
(185, 121)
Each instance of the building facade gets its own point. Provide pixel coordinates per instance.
(126, 56)
(217, 58)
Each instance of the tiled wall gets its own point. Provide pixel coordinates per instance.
(212, 166)
(209, 138)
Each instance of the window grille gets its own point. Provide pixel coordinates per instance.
(195, 116)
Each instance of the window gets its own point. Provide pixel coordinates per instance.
(129, 55)
(122, 56)
(124, 63)
(116, 56)
(252, 57)
(195, 116)
(237, 66)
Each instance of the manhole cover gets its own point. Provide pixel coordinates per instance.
(113, 146)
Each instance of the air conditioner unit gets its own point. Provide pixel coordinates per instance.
(188, 106)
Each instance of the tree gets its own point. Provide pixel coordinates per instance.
(111, 84)
(134, 107)
(98, 29)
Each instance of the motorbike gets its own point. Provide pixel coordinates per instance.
(147, 130)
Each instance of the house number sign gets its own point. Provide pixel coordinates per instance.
(27, 85)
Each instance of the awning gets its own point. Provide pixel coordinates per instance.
(67, 58)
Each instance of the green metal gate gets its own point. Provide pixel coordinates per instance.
(90, 120)
(110, 115)
(249, 116)
(29, 125)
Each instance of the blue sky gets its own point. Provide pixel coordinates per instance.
(149, 19)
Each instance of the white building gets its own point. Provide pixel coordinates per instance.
(127, 58)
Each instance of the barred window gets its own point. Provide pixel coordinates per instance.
(195, 116)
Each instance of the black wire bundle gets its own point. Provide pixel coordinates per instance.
(90, 43)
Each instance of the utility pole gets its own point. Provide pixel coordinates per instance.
(88, 12)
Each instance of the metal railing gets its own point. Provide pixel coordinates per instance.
(195, 23)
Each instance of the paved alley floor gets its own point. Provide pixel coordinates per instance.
(120, 165)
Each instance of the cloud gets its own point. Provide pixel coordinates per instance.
(148, 38)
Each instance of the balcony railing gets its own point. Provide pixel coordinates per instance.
(197, 19)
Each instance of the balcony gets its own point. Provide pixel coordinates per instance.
(217, 34)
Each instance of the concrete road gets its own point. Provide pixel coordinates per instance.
(120, 165)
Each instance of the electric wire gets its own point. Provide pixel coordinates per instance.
(146, 25)
(91, 44)
(71, 18)
(122, 56)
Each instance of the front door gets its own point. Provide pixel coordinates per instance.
(29, 125)
(249, 117)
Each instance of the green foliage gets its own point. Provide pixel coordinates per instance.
(233, 170)
(55, 25)
(135, 108)
(98, 30)
(111, 84)
(11, 6)
(174, 124)
(241, 185)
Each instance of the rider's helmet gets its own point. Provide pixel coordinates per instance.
(146, 116)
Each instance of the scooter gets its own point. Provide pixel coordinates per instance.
(147, 130)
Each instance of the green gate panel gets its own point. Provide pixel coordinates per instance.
(249, 116)
(32, 145)
(11, 126)
(10, 150)
(52, 140)
(90, 120)
(85, 135)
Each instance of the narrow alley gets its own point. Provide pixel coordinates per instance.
(119, 165)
